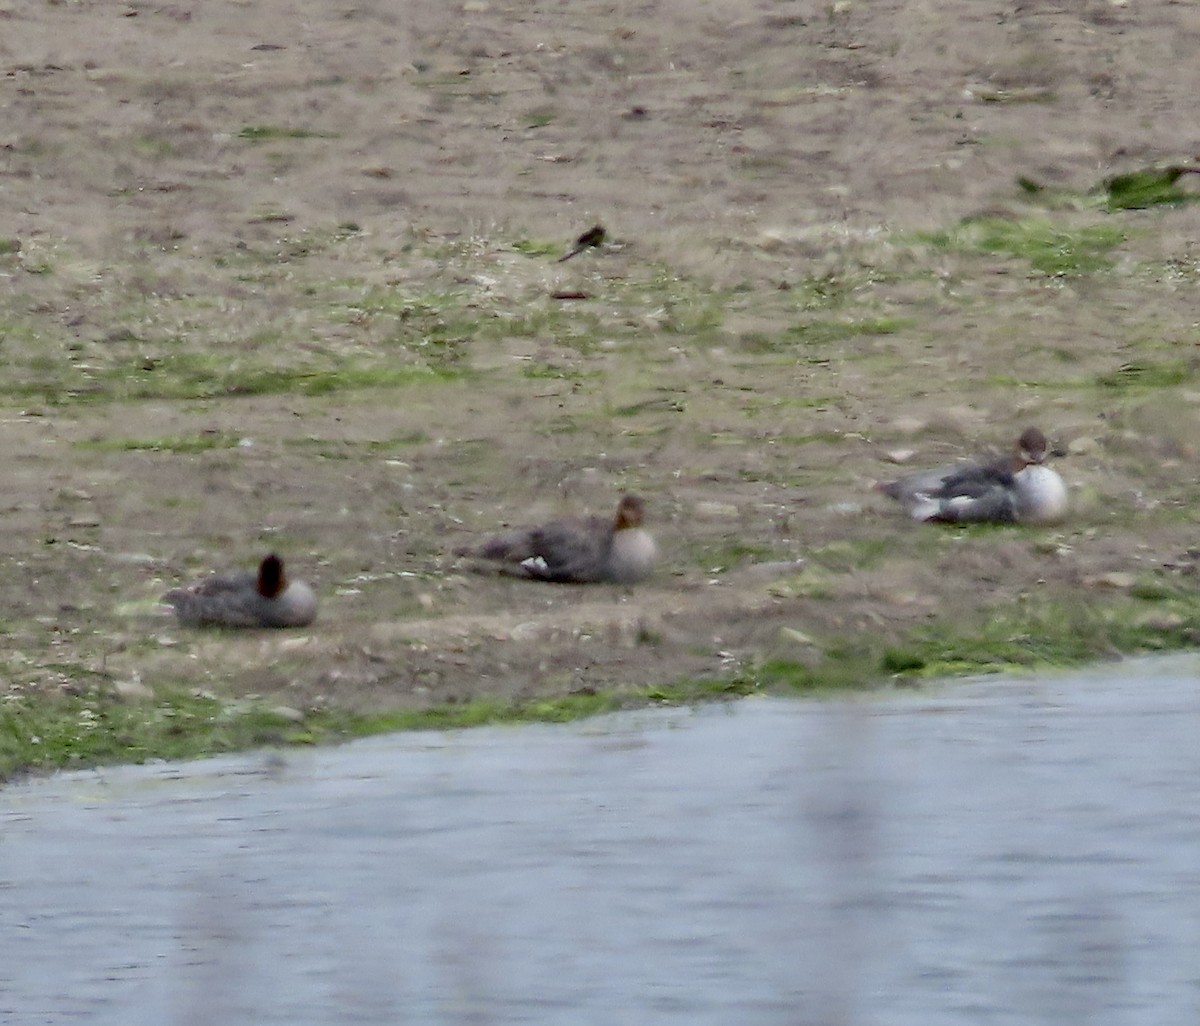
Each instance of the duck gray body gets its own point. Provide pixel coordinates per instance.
(583, 550)
(1016, 489)
(263, 599)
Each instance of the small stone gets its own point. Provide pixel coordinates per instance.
(799, 637)
(135, 558)
(909, 425)
(1082, 446)
(1162, 621)
(286, 712)
(716, 510)
(910, 599)
(900, 455)
(1121, 579)
(769, 569)
(523, 632)
(133, 690)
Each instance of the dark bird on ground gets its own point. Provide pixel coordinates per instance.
(264, 599)
(590, 239)
(1016, 488)
(584, 550)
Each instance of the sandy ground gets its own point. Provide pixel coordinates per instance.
(197, 196)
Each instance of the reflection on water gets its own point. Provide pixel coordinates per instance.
(1012, 851)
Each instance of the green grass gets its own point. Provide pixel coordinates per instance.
(811, 582)
(538, 247)
(553, 372)
(826, 291)
(824, 332)
(844, 556)
(39, 733)
(850, 671)
(1016, 96)
(328, 448)
(204, 376)
(1048, 246)
(821, 332)
(389, 314)
(1149, 375)
(672, 303)
(1157, 616)
(717, 558)
(169, 443)
(1056, 635)
(261, 133)
(540, 118)
(1149, 187)
(153, 147)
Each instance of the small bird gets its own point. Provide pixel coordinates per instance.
(586, 550)
(265, 599)
(1013, 489)
(590, 239)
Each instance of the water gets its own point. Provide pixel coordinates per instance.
(1002, 852)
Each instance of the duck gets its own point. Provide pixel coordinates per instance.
(263, 599)
(582, 550)
(1013, 489)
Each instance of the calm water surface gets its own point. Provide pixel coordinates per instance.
(1009, 851)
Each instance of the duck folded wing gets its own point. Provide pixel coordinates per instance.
(510, 547)
(974, 494)
(997, 506)
(570, 551)
(265, 599)
(577, 550)
(975, 482)
(228, 600)
(1001, 490)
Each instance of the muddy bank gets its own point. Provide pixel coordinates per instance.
(281, 276)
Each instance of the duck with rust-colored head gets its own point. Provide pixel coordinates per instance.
(1014, 489)
(265, 599)
(584, 550)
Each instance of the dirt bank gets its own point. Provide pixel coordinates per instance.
(280, 275)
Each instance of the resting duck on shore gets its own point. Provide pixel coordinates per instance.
(265, 599)
(1013, 489)
(587, 550)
